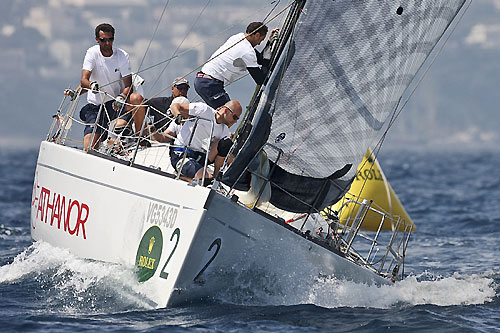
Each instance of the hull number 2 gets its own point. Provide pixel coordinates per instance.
(177, 235)
(175, 238)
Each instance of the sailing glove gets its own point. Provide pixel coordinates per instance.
(275, 34)
(178, 119)
(169, 113)
(94, 87)
(71, 93)
(119, 103)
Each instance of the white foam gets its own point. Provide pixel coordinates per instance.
(74, 280)
(38, 257)
(454, 290)
(261, 289)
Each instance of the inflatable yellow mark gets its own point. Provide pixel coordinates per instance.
(371, 184)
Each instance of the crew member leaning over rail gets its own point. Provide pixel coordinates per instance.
(107, 77)
(231, 62)
(201, 117)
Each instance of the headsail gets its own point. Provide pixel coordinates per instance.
(344, 71)
(371, 182)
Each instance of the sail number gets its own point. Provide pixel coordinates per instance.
(177, 234)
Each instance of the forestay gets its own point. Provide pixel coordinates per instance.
(345, 69)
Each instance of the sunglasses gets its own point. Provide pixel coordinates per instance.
(235, 117)
(104, 40)
(183, 87)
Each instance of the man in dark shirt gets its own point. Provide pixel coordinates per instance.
(159, 106)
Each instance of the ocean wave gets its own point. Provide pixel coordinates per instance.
(65, 283)
(423, 289)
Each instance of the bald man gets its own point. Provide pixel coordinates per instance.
(217, 143)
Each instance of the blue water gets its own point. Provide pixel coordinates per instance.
(453, 266)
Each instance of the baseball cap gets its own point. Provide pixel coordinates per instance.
(180, 80)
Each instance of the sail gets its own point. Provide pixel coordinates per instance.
(343, 72)
(371, 182)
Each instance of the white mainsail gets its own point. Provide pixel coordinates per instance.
(342, 73)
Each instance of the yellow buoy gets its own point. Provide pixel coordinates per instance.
(371, 184)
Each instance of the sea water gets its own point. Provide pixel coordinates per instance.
(452, 264)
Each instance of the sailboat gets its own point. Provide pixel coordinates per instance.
(337, 73)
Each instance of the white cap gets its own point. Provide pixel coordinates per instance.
(180, 80)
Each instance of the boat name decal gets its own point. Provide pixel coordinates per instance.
(162, 215)
(70, 214)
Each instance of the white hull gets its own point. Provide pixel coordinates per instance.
(101, 209)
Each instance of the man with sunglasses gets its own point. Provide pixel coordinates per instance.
(106, 75)
(200, 118)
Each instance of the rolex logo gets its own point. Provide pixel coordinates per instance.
(149, 253)
(151, 243)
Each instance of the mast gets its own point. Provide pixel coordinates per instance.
(277, 49)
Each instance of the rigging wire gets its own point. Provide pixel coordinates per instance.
(153, 36)
(270, 12)
(180, 44)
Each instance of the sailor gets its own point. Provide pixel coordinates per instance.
(159, 110)
(231, 62)
(167, 130)
(106, 75)
(218, 143)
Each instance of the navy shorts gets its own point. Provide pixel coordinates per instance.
(211, 91)
(89, 115)
(194, 161)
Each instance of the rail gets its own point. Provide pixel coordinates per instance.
(67, 130)
(370, 249)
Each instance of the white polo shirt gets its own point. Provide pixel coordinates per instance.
(221, 67)
(106, 70)
(201, 139)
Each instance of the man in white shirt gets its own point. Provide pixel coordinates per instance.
(231, 62)
(106, 74)
(205, 138)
